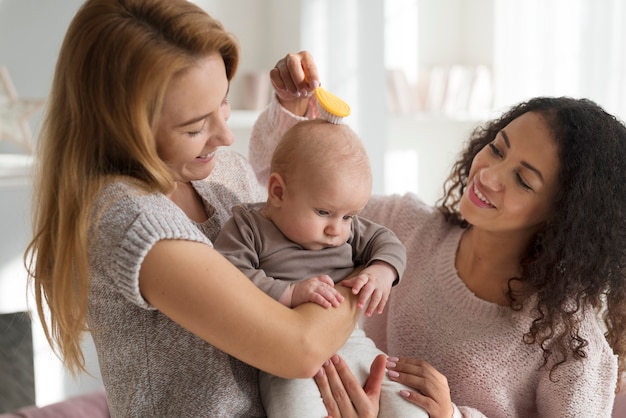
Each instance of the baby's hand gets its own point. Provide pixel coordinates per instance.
(320, 290)
(373, 283)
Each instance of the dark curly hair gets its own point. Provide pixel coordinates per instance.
(578, 259)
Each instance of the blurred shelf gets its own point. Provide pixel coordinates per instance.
(440, 117)
(243, 119)
(15, 169)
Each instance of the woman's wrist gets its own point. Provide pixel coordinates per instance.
(297, 106)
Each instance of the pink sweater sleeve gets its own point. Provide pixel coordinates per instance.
(267, 131)
(576, 388)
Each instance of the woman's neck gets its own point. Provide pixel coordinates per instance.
(185, 197)
(486, 262)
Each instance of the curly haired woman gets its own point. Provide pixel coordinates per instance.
(513, 303)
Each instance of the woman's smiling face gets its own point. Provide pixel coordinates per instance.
(193, 121)
(513, 180)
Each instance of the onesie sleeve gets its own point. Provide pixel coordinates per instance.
(239, 242)
(372, 242)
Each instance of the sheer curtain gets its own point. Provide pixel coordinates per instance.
(346, 37)
(561, 47)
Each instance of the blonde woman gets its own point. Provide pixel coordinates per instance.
(131, 190)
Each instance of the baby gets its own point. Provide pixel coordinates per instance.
(306, 237)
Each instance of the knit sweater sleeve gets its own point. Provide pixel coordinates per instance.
(267, 131)
(406, 215)
(585, 387)
(129, 222)
(582, 388)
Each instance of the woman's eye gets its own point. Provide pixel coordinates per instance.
(194, 133)
(494, 150)
(522, 183)
(198, 132)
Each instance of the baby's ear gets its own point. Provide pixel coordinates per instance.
(275, 189)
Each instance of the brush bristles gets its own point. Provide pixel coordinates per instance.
(329, 117)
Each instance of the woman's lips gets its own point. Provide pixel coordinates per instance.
(477, 197)
(206, 157)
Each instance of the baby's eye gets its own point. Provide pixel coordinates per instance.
(322, 212)
(348, 217)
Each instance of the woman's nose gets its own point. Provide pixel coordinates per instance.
(491, 177)
(221, 134)
(226, 138)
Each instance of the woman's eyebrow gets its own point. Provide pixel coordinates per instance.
(192, 120)
(201, 117)
(506, 138)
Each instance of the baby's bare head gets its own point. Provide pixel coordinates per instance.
(317, 149)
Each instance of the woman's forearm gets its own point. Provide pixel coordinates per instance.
(215, 301)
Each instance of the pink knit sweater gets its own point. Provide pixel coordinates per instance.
(476, 344)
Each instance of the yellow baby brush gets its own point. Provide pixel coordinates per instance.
(331, 107)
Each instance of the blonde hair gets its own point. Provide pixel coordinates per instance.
(317, 147)
(114, 66)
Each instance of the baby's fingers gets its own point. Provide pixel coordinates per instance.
(356, 283)
(334, 297)
(326, 295)
(376, 303)
(365, 300)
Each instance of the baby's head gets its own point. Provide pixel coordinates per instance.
(320, 178)
(316, 150)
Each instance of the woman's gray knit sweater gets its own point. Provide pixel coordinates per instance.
(152, 367)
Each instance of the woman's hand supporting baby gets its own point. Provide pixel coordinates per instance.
(343, 395)
(431, 387)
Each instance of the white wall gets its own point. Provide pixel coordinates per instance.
(31, 33)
